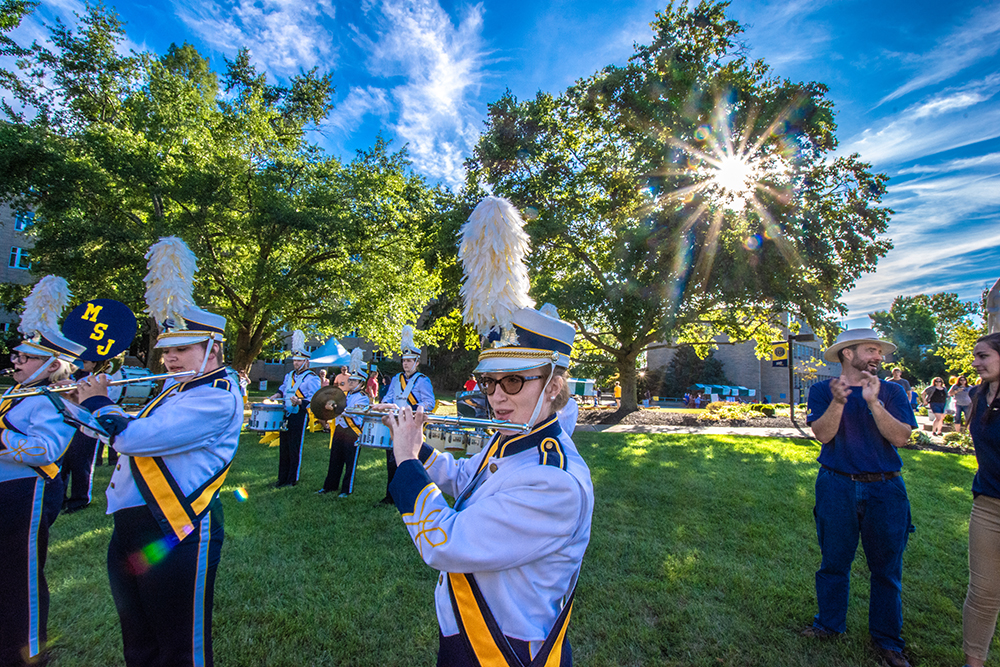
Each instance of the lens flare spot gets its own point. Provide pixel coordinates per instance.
(530, 212)
(241, 495)
(151, 554)
(702, 133)
(752, 242)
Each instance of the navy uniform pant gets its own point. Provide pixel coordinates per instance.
(78, 466)
(24, 593)
(343, 458)
(454, 651)
(290, 448)
(164, 593)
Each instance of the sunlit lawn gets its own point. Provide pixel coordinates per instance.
(703, 553)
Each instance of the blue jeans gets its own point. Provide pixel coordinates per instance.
(878, 513)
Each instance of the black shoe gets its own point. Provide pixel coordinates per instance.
(321, 491)
(892, 658)
(387, 501)
(70, 510)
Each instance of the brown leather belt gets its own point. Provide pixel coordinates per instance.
(865, 476)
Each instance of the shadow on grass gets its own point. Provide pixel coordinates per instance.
(703, 553)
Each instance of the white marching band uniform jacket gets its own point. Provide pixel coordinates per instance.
(303, 385)
(193, 427)
(421, 394)
(356, 400)
(33, 436)
(521, 525)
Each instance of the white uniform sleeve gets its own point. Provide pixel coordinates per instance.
(309, 386)
(45, 438)
(533, 515)
(423, 391)
(180, 429)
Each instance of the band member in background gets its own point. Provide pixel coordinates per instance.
(296, 391)
(33, 437)
(406, 388)
(81, 456)
(163, 495)
(343, 447)
(511, 548)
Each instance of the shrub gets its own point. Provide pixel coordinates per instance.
(919, 437)
(716, 406)
(767, 410)
(953, 437)
(922, 411)
(949, 419)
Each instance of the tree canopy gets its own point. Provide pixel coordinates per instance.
(686, 194)
(114, 150)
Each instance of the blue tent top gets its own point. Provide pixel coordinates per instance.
(330, 353)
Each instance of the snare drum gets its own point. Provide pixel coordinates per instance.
(136, 393)
(375, 434)
(477, 440)
(267, 417)
(456, 440)
(434, 437)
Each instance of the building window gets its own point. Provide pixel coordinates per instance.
(6, 326)
(23, 220)
(19, 258)
(377, 356)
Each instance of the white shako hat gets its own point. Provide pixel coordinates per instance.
(299, 345)
(495, 292)
(170, 296)
(354, 368)
(410, 350)
(40, 322)
(856, 337)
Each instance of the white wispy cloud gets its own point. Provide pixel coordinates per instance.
(769, 25)
(360, 101)
(284, 36)
(443, 66)
(988, 160)
(909, 134)
(976, 38)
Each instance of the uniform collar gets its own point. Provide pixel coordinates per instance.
(206, 379)
(533, 438)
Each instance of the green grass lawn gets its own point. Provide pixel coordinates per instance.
(703, 553)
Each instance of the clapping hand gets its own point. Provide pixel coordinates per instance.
(870, 386)
(841, 390)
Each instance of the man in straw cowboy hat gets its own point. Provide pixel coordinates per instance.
(860, 422)
(33, 436)
(164, 492)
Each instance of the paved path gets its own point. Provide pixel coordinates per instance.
(788, 432)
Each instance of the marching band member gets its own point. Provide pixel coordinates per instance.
(343, 448)
(296, 391)
(174, 456)
(406, 388)
(510, 549)
(33, 436)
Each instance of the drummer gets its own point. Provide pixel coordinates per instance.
(406, 388)
(510, 550)
(33, 437)
(343, 447)
(296, 391)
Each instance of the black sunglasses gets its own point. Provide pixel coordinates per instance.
(511, 384)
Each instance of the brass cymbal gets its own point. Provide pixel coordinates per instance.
(328, 402)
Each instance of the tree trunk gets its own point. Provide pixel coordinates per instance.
(627, 376)
(249, 344)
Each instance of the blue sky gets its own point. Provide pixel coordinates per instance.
(915, 85)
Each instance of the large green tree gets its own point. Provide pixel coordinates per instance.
(112, 151)
(934, 333)
(686, 194)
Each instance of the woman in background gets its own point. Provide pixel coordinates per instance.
(963, 404)
(934, 397)
(979, 615)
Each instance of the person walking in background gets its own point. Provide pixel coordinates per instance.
(962, 401)
(470, 384)
(897, 377)
(982, 602)
(860, 422)
(618, 394)
(934, 397)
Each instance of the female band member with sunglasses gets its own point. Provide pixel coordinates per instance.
(982, 603)
(509, 551)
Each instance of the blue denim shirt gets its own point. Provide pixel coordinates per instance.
(859, 446)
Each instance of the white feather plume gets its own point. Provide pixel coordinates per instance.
(549, 310)
(43, 307)
(298, 341)
(492, 249)
(357, 360)
(170, 281)
(407, 339)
